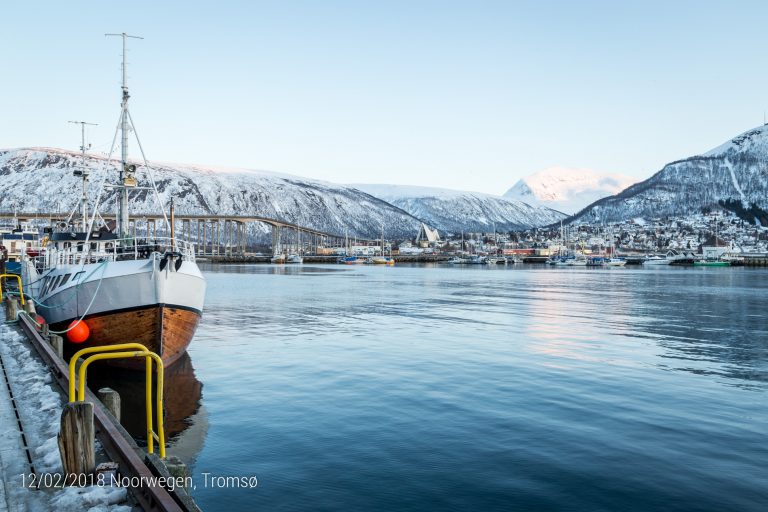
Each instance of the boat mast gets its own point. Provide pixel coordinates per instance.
(83, 173)
(127, 171)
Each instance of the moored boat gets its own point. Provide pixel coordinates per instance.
(18, 239)
(712, 263)
(294, 258)
(124, 289)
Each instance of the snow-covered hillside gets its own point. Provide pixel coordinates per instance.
(567, 190)
(735, 170)
(41, 180)
(455, 211)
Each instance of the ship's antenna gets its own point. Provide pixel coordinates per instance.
(84, 172)
(127, 171)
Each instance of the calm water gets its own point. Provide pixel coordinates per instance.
(434, 388)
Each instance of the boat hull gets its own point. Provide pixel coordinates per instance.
(135, 301)
(165, 329)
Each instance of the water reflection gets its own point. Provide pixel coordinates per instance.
(185, 419)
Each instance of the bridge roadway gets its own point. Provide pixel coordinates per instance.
(210, 238)
(180, 217)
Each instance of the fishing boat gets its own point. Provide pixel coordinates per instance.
(18, 238)
(278, 258)
(122, 288)
(615, 262)
(496, 260)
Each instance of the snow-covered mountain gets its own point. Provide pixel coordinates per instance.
(736, 170)
(568, 190)
(41, 180)
(455, 211)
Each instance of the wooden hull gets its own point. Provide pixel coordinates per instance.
(164, 329)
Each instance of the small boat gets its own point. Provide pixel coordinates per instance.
(656, 260)
(294, 258)
(381, 260)
(476, 260)
(596, 261)
(572, 261)
(456, 260)
(278, 259)
(615, 262)
(496, 260)
(711, 263)
(351, 260)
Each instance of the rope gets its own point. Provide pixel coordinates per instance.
(81, 280)
(87, 310)
(149, 169)
(95, 294)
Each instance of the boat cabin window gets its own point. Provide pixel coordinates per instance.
(80, 247)
(77, 275)
(54, 284)
(67, 245)
(63, 281)
(93, 246)
(46, 282)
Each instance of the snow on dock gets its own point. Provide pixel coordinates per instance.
(30, 409)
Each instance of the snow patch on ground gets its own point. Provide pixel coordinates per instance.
(39, 407)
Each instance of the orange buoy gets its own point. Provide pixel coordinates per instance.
(78, 331)
(39, 322)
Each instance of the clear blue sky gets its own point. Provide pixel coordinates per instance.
(468, 95)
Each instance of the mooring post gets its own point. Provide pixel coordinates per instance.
(77, 439)
(29, 307)
(111, 400)
(57, 342)
(11, 309)
(176, 468)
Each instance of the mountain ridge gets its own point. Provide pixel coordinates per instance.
(735, 169)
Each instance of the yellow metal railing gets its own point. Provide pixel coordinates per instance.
(130, 350)
(21, 288)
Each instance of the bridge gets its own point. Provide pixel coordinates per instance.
(215, 235)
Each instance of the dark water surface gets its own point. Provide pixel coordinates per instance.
(438, 388)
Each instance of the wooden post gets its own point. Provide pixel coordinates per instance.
(29, 307)
(176, 467)
(76, 439)
(111, 400)
(11, 309)
(57, 342)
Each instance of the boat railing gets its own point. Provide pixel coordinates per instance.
(125, 249)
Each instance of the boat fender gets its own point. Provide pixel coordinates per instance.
(163, 263)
